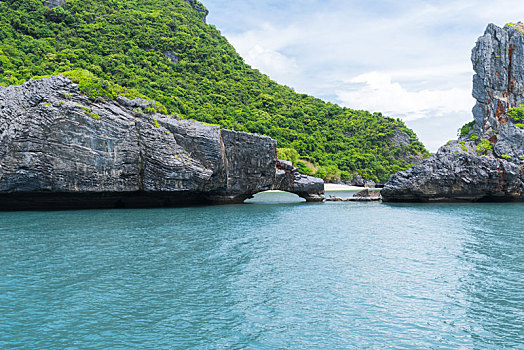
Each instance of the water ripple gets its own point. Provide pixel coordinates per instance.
(271, 274)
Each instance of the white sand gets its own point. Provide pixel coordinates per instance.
(337, 187)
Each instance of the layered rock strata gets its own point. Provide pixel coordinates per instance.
(62, 150)
(486, 163)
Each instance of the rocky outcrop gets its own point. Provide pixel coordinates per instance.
(402, 140)
(456, 175)
(202, 11)
(486, 163)
(172, 56)
(363, 196)
(54, 3)
(498, 60)
(60, 149)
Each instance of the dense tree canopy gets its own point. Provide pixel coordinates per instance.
(163, 49)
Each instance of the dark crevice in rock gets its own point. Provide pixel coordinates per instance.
(140, 164)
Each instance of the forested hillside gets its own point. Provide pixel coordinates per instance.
(165, 50)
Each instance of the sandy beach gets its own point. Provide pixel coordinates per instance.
(337, 187)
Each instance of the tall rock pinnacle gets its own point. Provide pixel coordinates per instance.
(498, 85)
(486, 163)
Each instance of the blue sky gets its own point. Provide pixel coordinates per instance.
(406, 59)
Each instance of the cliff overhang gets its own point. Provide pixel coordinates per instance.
(60, 149)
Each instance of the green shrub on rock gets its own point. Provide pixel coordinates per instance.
(288, 154)
(304, 168)
(466, 128)
(484, 147)
(517, 113)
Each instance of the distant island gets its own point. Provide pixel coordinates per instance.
(134, 104)
(165, 50)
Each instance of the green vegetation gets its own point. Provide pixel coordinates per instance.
(92, 86)
(505, 156)
(484, 147)
(288, 154)
(518, 26)
(155, 123)
(466, 129)
(91, 114)
(292, 155)
(306, 167)
(164, 50)
(474, 137)
(517, 113)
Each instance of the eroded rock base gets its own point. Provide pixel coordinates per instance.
(62, 150)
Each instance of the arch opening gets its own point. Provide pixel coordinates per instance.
(275, 197)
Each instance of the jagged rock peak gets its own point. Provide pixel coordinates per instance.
(487, 163)
(498, 85)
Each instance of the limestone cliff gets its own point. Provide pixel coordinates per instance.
(60, 149)
(486, 163)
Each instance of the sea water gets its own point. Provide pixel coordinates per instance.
(272, 274)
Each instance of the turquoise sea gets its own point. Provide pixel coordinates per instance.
(272, 274)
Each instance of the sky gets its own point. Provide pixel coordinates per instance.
(407, 59)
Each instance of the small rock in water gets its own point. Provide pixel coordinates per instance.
(367, 194)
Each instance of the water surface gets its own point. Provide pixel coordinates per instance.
(273, 274)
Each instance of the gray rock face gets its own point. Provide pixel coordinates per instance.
(366, 193)
(453, 175)
(402, 139)
(54, 3)
(172, 56)
(61, 150)
(498, 60)
(490, 167)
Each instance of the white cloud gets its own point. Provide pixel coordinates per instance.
(272, 63)
(377, 92)
(261, 49)
(434, 114)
